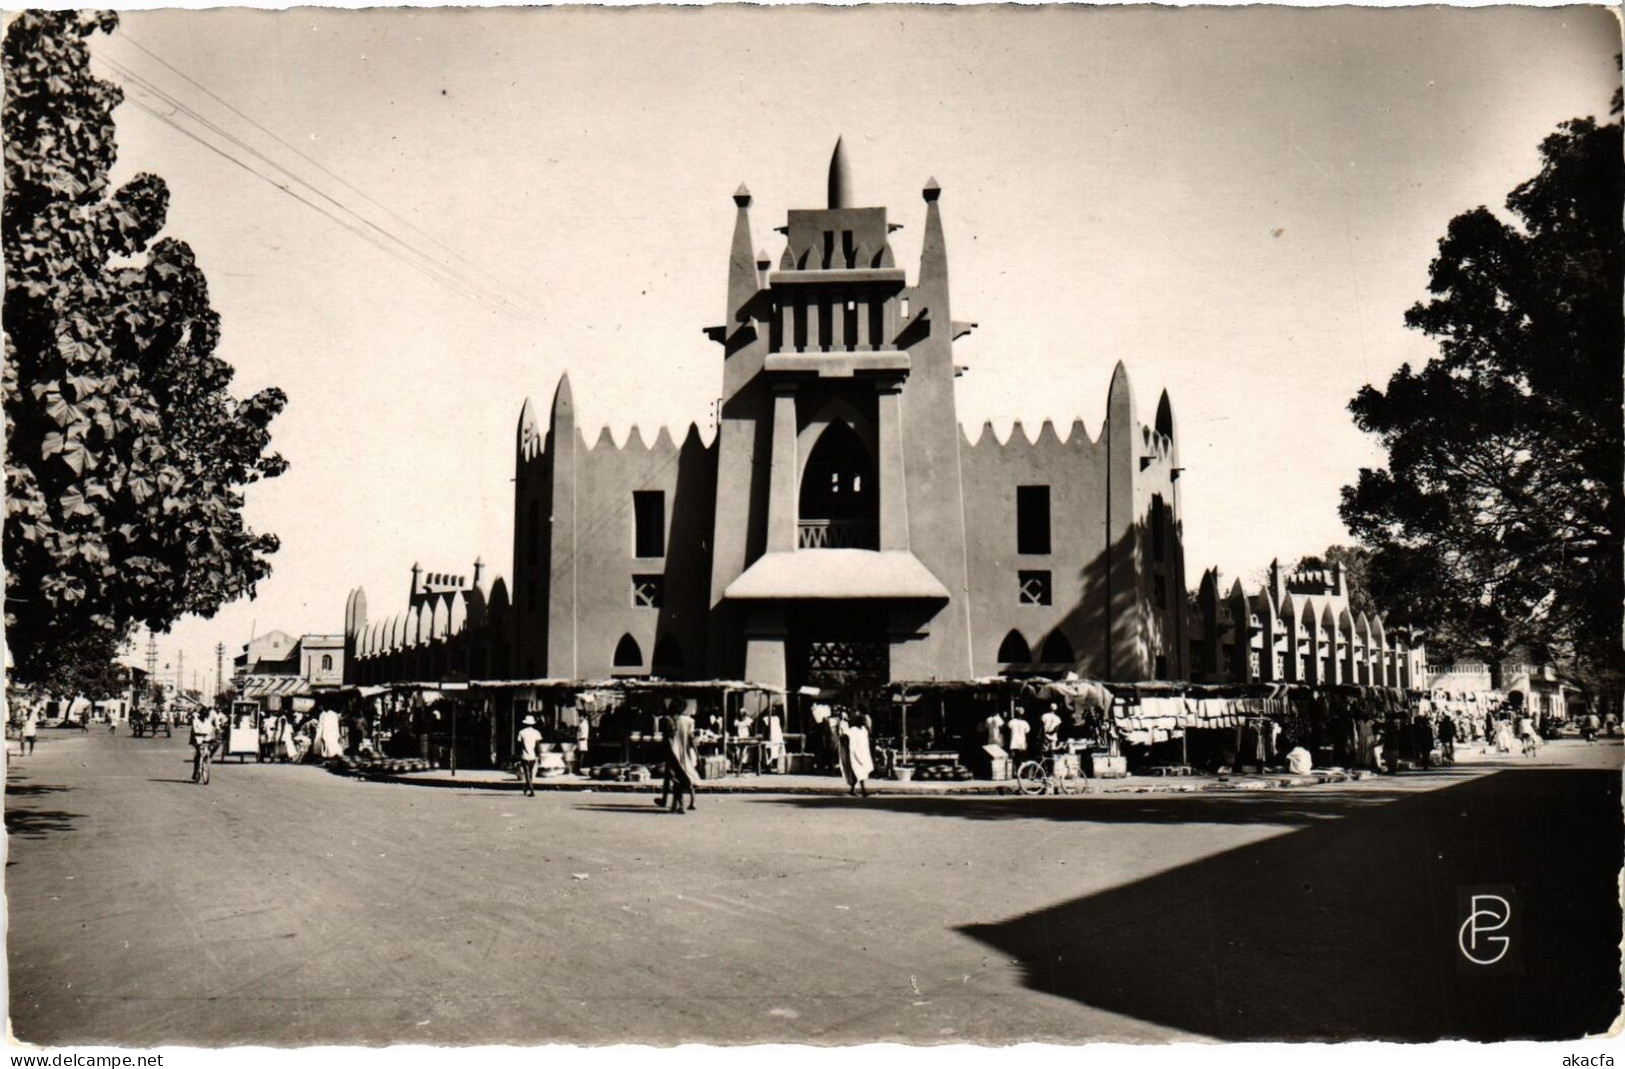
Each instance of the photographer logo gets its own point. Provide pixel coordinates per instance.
(1478, 937)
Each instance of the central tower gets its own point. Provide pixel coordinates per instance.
(839, 544)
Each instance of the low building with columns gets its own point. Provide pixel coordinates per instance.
(451, 628)
(1300, 628)
(841, 525)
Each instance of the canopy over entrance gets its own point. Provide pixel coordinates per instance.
(837, 574)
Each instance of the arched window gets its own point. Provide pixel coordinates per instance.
(1014, 649)
(628, 654)
(668, 658)
(1057, 650)
(327, 662)
(838, 489)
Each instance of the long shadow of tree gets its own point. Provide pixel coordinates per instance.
(38, 823)
(28, 822)
(1346, 929)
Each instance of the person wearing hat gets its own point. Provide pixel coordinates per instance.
(530, 741)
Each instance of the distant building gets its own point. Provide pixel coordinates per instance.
(276, 665)
(1300, 628)
(1542, 690)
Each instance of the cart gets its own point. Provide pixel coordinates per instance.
(243, 732)
(149, 724)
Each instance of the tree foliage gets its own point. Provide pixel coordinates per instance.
(1496, 524)
(125, 452)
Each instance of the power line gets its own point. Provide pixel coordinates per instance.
(379, 237)
(436, 271)
(169, 121)
(313, 162)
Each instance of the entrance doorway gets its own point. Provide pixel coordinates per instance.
(838, 646)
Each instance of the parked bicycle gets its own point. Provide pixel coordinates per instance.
(1042, 776)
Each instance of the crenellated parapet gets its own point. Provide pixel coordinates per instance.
(1301, 629)
(450, 628)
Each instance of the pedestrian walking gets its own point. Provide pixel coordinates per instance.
(1447, 737)
(1528, 736)
(583, 738)
(30, 731)
(994, 726)
(832, 737)
(1422, 741)
(530, 741)
(1503, 735)
(1589, 726)
(775, 737)
(857, 762)
(1016, 731)
(681, 759)
(1050, 722)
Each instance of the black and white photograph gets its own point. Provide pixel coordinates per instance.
(1103, 524)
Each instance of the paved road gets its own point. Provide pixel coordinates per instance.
(285, 905)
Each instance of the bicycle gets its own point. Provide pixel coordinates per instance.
(200, 762)
(1039, 776)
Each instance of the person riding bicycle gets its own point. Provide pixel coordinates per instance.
(202, 745)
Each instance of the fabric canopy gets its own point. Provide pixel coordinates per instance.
(274, 686)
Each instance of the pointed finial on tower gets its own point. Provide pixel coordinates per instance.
(931, 191)
(763, 261)
(742, 196)
(840, 178)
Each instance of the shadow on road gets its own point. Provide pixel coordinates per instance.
(29, 823)
(38, 823)
(1347, 928)
(24, 790)
(649, 807)
(1295, 807)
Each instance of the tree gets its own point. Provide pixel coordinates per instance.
(1356, 562)
(125, 452)
(1496, 524)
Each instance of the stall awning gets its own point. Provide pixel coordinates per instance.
(828, 574)
(277, 686)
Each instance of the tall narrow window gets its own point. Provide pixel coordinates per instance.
(649, 521)
(1032, 519)
(327, 662)
(1159, 533)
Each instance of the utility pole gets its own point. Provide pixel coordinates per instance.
(219, 671)
(180, 678)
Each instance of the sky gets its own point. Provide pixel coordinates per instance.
(1238, 203)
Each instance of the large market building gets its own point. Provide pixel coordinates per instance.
(841, 526)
